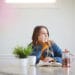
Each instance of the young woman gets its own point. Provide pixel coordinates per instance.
(43, 48)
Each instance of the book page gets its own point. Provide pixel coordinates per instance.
(52, 64)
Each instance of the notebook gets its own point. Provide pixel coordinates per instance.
(52, 64)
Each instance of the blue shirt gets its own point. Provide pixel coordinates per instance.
(57, 52)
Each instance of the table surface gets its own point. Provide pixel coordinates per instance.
(13, 67)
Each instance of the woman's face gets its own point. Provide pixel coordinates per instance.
(43, 35)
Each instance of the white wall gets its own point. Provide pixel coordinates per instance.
(16, 24)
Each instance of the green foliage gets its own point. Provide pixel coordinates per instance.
(22, 52)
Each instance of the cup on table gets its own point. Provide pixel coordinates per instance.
(31, 60)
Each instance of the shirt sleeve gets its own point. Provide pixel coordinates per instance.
(57, 53)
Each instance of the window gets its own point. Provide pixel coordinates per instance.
(30, 1)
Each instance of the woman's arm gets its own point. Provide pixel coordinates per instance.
(57, 52)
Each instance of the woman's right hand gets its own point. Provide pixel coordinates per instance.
(49, 59)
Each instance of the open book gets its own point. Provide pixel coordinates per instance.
(52, 64)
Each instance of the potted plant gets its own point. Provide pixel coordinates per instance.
(22, 53)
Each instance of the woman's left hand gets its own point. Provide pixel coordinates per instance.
(48, 59)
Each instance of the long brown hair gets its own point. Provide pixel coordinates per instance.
(36, 33)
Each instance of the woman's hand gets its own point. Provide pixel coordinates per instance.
(49, 59)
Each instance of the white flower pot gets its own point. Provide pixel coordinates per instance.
(31, 60)
(24, 62)
(24, 65)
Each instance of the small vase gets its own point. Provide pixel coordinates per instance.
(24, 62)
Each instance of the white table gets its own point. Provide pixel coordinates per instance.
(12, 67)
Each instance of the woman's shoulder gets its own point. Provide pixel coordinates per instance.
(52, 42)
(55, 46)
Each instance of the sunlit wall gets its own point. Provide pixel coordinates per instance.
(16, 24)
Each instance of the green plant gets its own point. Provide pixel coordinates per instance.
(22, 52)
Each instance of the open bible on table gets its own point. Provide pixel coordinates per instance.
(52, 64)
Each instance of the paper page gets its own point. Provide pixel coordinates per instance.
(53, 64)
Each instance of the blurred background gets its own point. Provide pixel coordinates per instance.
(17, 22)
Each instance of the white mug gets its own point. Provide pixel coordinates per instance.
(31, 60)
